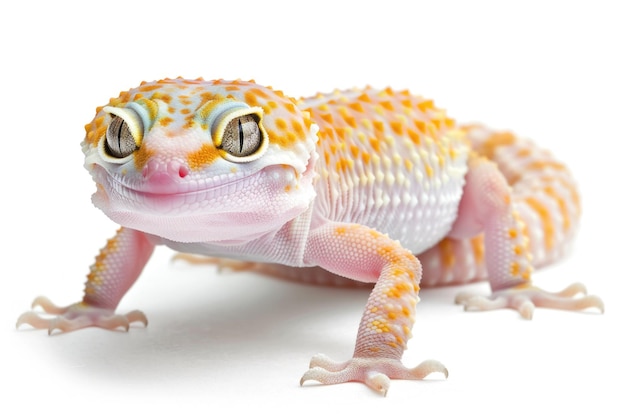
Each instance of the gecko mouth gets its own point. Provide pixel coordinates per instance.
(226, 209)
(166, 196)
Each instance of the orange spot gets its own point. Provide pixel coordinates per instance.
(141, 157)
(356, 106)
(297, 127)
(387, 105)
(447, 253)
(425, 105)
(146, 88)
(160, 96)
(546, 220)
(364, 97)
(541, 165)
(354, 150)
(259, 92)
(515, 269)
(414, 136)
(397, 127)
(562, 206)
(512, 233)
(290, 107)
(281, 124)
(351, 121)
(202, 157)
(494, 141)
(340, 230)
(250, 98)
(429, 170)
(421, 125)
(396, 272)
(165, 121)
(344, 164)
(375, 143)
(478, 248)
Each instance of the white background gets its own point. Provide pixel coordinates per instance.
(229, 343)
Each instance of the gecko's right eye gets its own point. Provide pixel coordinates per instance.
(123, 135)
(119, 140)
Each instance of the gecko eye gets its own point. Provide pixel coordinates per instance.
(236, 129)
(123, 135)
(242, 136)
(119, 140)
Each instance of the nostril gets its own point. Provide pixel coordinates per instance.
(183, 171)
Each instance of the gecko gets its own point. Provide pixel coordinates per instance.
(375, 186)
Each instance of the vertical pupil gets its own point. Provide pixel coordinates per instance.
(119, 136)
(240, 136)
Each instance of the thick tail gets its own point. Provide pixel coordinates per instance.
(544, 193)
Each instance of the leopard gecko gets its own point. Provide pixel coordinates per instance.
(376, 186)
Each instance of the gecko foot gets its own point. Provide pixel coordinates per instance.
(376, 373)
(525, 298)
(77, 316)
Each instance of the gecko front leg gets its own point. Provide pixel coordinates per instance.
(115, 270)
(364, 254)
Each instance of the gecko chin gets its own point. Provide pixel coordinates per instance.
(234, 210)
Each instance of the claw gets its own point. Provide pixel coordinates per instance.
(77, 316)
(378, 382)
(48, 306)
(376, 373)
(524, 299)
(33, 319)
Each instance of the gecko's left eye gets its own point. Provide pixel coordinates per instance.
(237, 130)
(242, 136)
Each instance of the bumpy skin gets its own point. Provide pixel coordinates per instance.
(350, 184)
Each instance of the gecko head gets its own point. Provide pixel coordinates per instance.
(202, 161)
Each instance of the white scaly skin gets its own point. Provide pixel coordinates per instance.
(350, 184)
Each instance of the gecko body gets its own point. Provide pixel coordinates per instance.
(360, 184)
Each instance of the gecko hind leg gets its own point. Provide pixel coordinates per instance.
(487, 206)
(524, 298)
